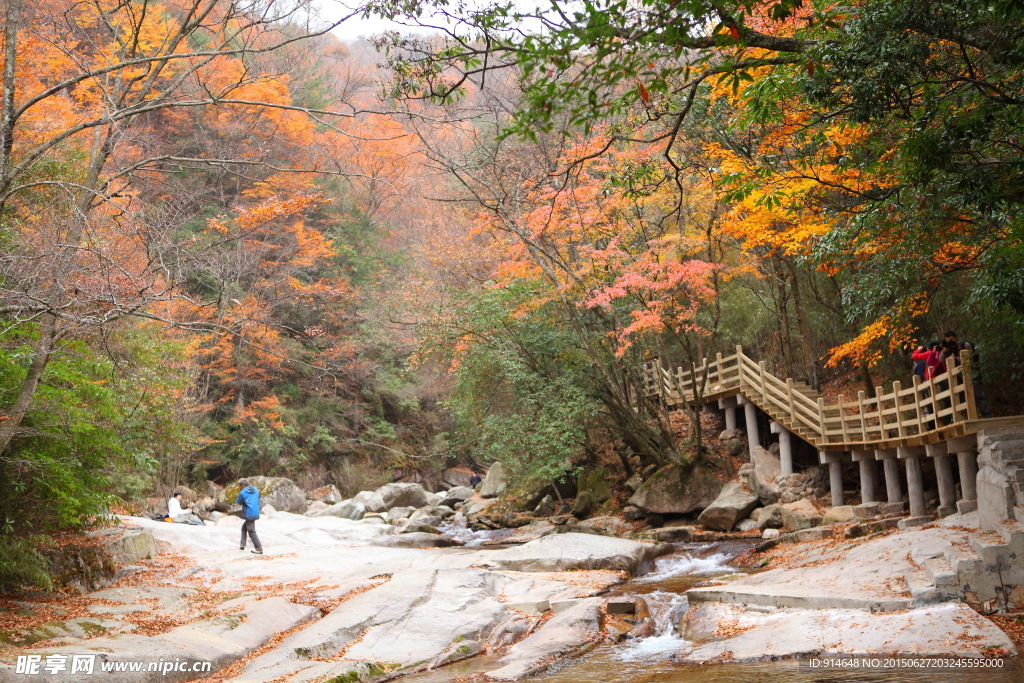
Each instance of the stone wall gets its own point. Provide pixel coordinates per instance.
(1000, 475)
(809, 483)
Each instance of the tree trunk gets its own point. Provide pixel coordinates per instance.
(40, 357)
(810, 363)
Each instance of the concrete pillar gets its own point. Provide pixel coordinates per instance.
(893, 491)
(867, 481)
(968, 463)
(750, 415)
(730, 417)
(947, 486)
(915, 486)
(966, 449)
(785, 447)
(939, 453)
(835, 475)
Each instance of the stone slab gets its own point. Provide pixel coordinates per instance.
(908, 522)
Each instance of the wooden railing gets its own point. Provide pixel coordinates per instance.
(899, 415)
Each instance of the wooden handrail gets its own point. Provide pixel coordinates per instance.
(899, 415)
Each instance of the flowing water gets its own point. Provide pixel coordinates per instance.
(652, 659)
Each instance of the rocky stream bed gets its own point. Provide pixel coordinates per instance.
(338, 599)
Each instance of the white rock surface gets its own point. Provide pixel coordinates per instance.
(563, 552)
(948, 629)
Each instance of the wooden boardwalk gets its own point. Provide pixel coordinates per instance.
(923, 413)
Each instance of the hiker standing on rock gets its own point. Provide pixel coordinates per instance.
(249, 499)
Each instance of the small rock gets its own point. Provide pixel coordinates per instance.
(838, 515)
(746, 525)
(632, 513)
(315, 506)
(771, 533)
(546, 508)
(396, 514)
(735, 447)
(584, 504)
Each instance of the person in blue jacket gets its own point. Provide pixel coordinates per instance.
(249, 499)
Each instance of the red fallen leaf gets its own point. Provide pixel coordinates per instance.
(644, 95)
(810, 69)
(735, 32)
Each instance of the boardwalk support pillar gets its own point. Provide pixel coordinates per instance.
(728, 406)
(785, 447)
(966, 449)
(915, 485)
(893, 492)
(835, 475)
(944, 476)
(750, 417)
(866, 460)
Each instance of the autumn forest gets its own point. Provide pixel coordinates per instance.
(236, 244)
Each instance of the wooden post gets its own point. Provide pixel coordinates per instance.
(883, 433)
(897, 386)
(917, 404)
(968, 375)
(863, 417)
(789, 398)
(718, 370)
(764, 389)
(821, 420)
(950, 368)
(739, 362)
(842, 419)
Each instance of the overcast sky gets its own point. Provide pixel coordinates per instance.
(358, 27)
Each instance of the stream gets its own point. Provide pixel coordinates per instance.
(651, 659)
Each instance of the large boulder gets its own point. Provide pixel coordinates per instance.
(372, 500)
(800, 515)
(584, 504)
(457, 494)
(676, 491)
(770, 517)
(279, 492)
(733, 504)
(126, 545)
(457, 476)
(328, 494)
(761, 477)
(404, 495)
(495, 481)
(346, 509)
(594, 481)
(838, 515)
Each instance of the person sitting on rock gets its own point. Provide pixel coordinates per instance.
(474, 480)
(249, 499)
(179, 514)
